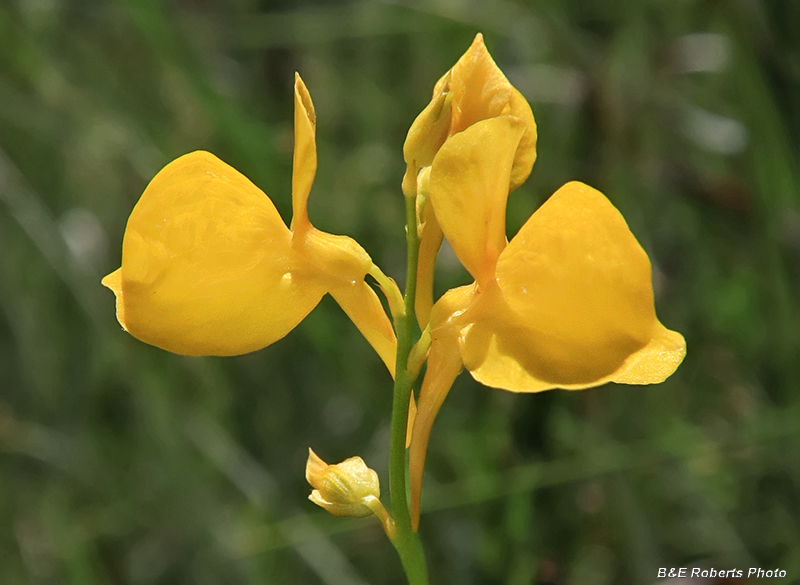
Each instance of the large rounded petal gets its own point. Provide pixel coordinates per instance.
(573, 305)
(207, 264)
(469, 188)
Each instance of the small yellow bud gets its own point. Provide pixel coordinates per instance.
(349, 488)
(341, 489)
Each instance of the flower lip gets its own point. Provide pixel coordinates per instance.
(203, 260)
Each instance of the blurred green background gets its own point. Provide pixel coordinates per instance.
(121, 463)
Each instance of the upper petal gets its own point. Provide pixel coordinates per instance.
(207, 264)
(304, 165)
(481, 91)
(469, 187)
(573, 306)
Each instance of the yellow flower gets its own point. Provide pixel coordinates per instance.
(474, 90)
(568, 303)
(349, 488)
(210, 268)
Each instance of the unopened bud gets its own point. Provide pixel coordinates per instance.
(349, 488)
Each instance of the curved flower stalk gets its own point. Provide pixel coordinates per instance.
(210, 268)
(475, 89)
(568, 303)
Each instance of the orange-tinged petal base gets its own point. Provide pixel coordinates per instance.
(430, 243)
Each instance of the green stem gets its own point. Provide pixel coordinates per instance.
(406, 541)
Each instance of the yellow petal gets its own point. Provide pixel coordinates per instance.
(305, 153)
(207, 264)
(469, 188)
(503, 366)
(444, 364)
(114, 282)
(526, 151)
(573, 303)
(337, 258)
(481, 91)
(430, 129)
(315, 467)
(656, 361)
(429, 246)
(340, 263)
(412, 416)
(359, 301)
(430, 240)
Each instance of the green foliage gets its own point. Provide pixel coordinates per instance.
(121, 463)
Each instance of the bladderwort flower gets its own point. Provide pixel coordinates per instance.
(567, 303)
(210, 268)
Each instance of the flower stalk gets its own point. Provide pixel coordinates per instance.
(406, 540)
